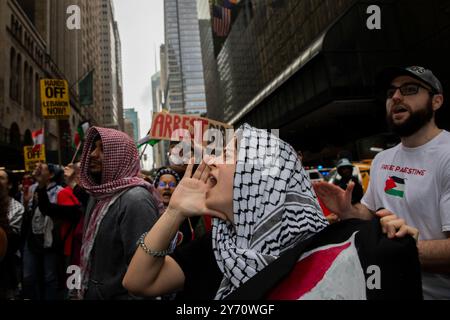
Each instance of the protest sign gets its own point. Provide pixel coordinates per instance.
(55, 99)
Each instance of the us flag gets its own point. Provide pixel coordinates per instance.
(221, 20)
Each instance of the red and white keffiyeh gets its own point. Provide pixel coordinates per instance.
(120, 171)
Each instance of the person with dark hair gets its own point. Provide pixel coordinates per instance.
(261, 208)
(166, 180)
(345, 170)
(8, 269)
(411, 181)
(40, 258)
(73, 196)
(121, 206)
(4, 225)
(15, 209)
(146, 175)
(67, 214)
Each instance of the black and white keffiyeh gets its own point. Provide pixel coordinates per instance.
(274, 207)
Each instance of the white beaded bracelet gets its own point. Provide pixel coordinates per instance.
(148, 251)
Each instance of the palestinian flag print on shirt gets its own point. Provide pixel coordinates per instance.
(395, 186)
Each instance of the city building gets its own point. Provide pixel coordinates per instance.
(160, 149)
(110, 68)
(129, 128)
(90, 57)
(132, 116)
(72, 52)
(36, 43)
(23, 51)
(185, 89)
(156, 92)
(31, 48)
(210, 69)
(307, 68)
(117, 74)
(163, 78)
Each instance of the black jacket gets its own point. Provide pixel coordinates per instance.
(357, 192)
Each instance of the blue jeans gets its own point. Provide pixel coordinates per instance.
(40, 275)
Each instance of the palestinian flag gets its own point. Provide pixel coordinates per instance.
(81, 133)
(395, 186)
(333, 266)
(147, 140)
(348, 260)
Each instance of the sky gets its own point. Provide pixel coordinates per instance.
(141, 28)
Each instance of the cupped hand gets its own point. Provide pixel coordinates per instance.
(189, 196)
(335, 198)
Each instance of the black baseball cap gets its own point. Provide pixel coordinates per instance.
(344, 162)
(422, 74)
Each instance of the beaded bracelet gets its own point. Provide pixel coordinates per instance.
(148, 251)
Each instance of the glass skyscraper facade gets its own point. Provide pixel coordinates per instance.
(185, 90)
(132, 115)
(307, 68)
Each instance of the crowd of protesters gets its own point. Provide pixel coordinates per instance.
(202, 231)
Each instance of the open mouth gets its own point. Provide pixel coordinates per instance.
(212, 181)
(399, 109)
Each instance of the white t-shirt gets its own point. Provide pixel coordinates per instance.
(414, 183)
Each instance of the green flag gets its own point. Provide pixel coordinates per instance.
(147, 140)
(85, 87)
(80, 133)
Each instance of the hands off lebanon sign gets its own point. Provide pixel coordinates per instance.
(55, 99)
(32, 157)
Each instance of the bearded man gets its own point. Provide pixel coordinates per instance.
(122, 206)
(411, 179)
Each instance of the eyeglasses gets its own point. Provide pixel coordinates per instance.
(163, 184)
(407, 89)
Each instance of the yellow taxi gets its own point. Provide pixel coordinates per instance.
(364, 171)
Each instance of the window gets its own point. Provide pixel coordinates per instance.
(195, 104)
(14, 135)
(25, 80)
(12, 74)
(37, 99)
(19, 78)
(192, 67)
(27, 138)
(30, 88)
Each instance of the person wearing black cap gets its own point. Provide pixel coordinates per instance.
(345, 169)
(411, 179)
